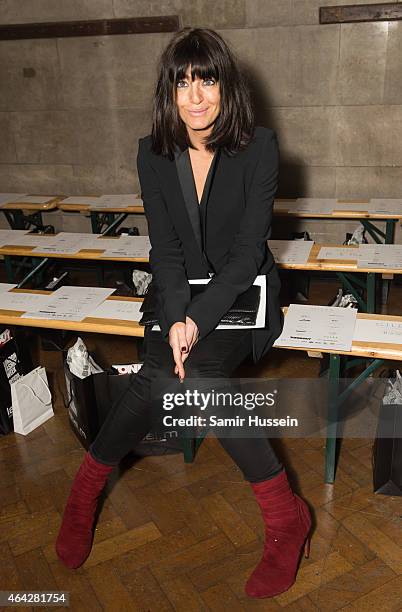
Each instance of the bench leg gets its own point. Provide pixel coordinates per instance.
(188, 445)
(16, 219)
(38, 269)
(381, 237)
(332, 418)
(9, 269)
(371, 292)
(191, 445)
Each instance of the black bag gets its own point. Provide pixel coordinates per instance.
(387, 450)
(89, 402)
(243, 312)
(81, 406)
(13, 365)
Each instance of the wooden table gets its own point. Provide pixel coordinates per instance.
(340, 362)
(347, 270)
(14, 213)
(40, 260)
(89, 324)
(373, 355)
(129, 328)
(361, 214)
(103, 220)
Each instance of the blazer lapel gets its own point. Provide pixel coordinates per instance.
(186, 179)
(179, 184)
(206, 193)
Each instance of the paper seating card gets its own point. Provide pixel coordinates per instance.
(66, 243)
(126, 246)
(84, 200)
(387, 206)
(21, 302)
(36, 199)
(8, 198)
(6, 287)
(380, 256)
(379, 331)
(70, 303)
(290, 251)
(323, 206)
(124, 310)
(9, 236)
(326, 327)
(343, 252)
(118, 201)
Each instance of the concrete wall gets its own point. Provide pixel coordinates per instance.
(72, 109)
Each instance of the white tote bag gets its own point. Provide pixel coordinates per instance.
(31, 401)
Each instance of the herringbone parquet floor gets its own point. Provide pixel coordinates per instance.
(185, 537)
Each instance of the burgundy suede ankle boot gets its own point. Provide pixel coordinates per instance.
(287, 532)
(74, 541)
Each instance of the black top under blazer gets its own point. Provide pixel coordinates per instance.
(233, 224)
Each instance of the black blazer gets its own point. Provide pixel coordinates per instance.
(236, 220)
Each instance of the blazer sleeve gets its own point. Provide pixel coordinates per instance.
(166, 255)
(249, 247)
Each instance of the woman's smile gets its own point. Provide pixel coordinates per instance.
(198, 101)
(198, 111)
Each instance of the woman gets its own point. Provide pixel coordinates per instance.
(208, 180)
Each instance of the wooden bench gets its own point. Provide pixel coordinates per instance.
(286, 207)
(17, 219)
(346, 270)
(111, 217)
(103, 220)
(360, 353)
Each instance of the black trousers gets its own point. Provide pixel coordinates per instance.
(215, 356)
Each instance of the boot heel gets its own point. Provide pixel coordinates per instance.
(307, 547)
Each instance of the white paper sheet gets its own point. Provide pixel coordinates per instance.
(39, 199)
(85, 200)
(353, 206)
(25, 239)
(260, 320)
(70, 303)
(118, 201)
(367, 330)
(103, 243)
(284, 204)
(6, 287)
(118, 309)
(322, 206)
(380, 255)
(290, 251)
(8, 236)
(127, 246)
(387, 205)
(318, 327)
(88, 241)
(57, 249)
(22, 302)
(65, 243)
(338, 253)
(7, 198)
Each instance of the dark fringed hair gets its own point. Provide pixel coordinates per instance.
(209, 57)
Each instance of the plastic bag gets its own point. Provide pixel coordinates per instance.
(141, 281)
(80, 362)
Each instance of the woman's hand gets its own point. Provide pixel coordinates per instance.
(191, 337)
(178, 342)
